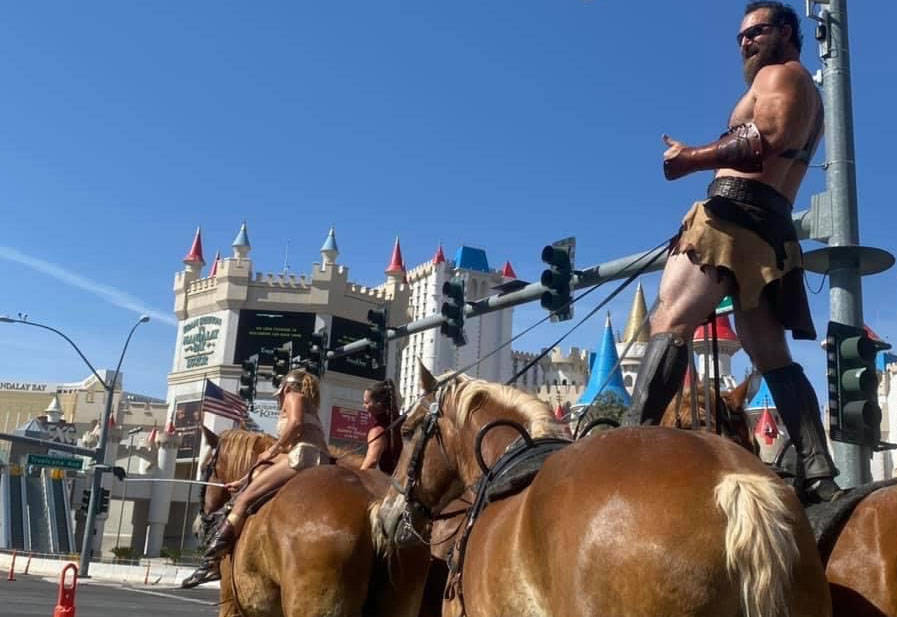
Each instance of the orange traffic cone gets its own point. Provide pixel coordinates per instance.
(65, 603)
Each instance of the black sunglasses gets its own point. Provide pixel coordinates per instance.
(753, 32)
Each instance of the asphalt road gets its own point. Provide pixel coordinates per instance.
(35, 596)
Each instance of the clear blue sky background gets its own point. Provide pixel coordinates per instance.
(503, 125)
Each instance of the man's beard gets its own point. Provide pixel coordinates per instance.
(766, 55)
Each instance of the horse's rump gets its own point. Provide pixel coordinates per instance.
(317, 521)
(862, 569)
(643, 518)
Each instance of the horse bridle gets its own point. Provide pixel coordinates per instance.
(414, 507)
(207, 470)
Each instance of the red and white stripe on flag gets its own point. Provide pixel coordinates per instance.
(222, 403)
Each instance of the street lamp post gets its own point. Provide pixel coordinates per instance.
(124, 490)
(99, 454)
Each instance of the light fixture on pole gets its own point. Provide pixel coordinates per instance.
(99, 454)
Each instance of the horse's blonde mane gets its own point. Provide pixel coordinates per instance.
(241, 448)
(472, 394)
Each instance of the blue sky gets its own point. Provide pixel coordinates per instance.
(503, 125)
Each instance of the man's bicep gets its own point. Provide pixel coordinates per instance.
(777, 108)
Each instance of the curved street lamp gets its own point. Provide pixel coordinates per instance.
(99, 454)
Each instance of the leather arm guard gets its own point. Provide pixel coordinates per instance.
(741, 148)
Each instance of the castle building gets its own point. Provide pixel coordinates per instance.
(558, 378)
(483, 334)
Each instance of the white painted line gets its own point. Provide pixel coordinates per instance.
(172, 596)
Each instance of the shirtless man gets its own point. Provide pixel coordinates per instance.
(741, 240)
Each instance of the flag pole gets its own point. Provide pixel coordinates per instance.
(196, 438)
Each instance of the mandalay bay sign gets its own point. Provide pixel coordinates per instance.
(200, 337)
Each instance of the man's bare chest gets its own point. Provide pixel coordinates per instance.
(744, 110)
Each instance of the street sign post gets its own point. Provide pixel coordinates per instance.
(62, 462)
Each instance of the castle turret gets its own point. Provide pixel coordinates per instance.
(329, 250)
(507, 271)
(193, 259)
(727, 344)
(439, 257)
(395, 271)
(605, 378)
(213, 271)
(241, 244)
(635, 337)
(54, 410)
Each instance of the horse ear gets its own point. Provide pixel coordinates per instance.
(211, 438)
(427, 381)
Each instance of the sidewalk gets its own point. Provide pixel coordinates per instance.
(148, 572)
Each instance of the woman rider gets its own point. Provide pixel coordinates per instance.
(300, 444)
(384, 437)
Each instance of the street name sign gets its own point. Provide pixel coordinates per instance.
(62, 462)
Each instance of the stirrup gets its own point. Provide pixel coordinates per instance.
(206, 573)
(823, 490)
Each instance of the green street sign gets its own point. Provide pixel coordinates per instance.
(725, 306)
(63, 462)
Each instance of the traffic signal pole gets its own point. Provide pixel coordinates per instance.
(845, 287)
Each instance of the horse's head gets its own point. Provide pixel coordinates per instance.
(439, 459)
(229, 457)
(211, 498)
(733, 420)
(736, 424)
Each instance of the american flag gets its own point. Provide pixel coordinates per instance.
(226, 404)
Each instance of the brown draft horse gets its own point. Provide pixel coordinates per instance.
(862, 568)
(308, 552)
(608, 526)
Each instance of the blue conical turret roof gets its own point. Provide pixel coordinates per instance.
(762, 399)
(242, 239)
(330, 242)
(606, 376)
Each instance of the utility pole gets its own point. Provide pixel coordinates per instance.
(843, 260)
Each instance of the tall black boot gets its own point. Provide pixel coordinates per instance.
(659, 377)
(796, 402)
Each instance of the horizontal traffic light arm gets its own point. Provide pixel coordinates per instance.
(613, 270)
(609, 271)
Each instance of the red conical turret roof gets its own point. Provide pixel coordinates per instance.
(439, 257)
(559, 412)
(508, 272)
(724, 331)
(766, 427)
(194, 256)
(396, 263)
(214, 270)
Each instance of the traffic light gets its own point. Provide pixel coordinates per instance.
(377, 335)
(557, 279)
(282, 363)
(85, 499)
(317, 361)
(103, 506)
(453, 311)
(854, 414)
(248, 377)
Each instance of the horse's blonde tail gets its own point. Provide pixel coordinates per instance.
(760, 548)
(381, 544)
